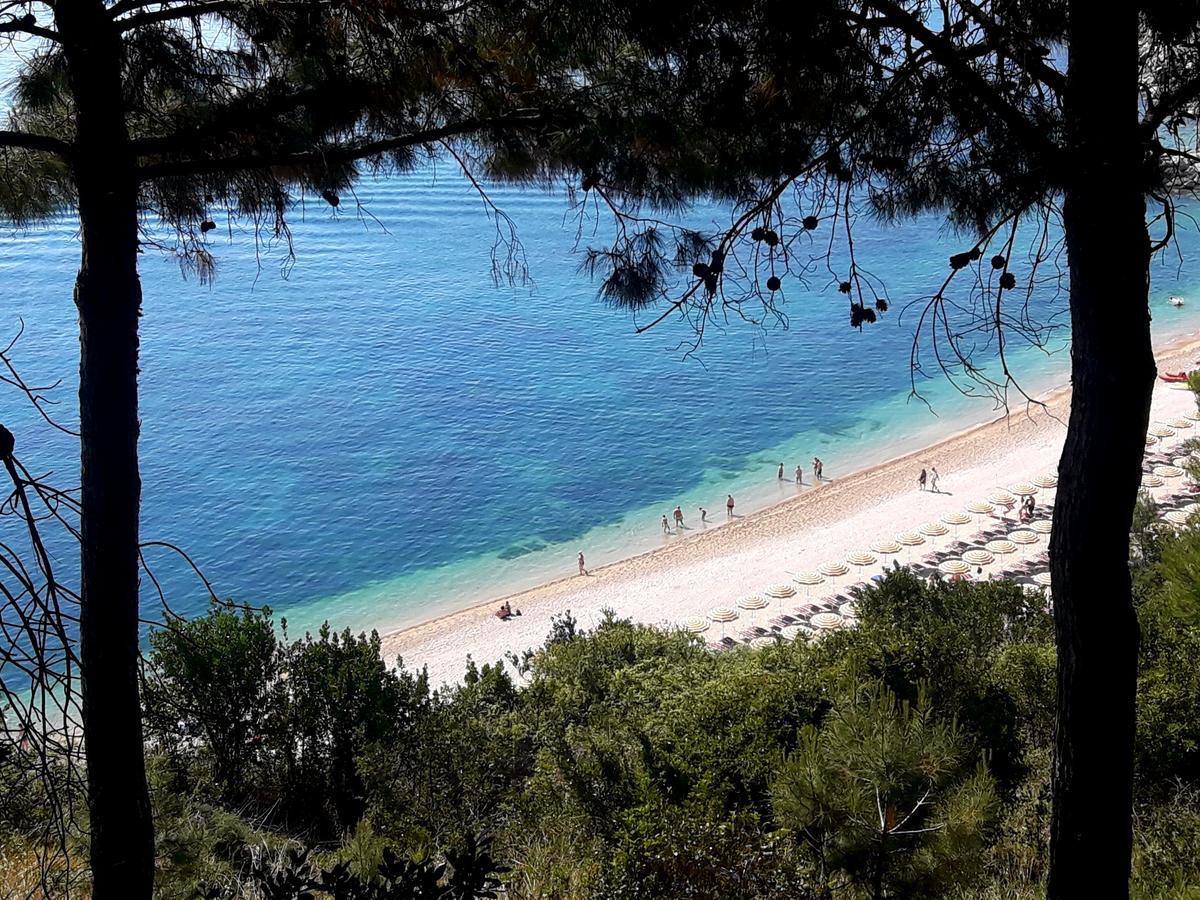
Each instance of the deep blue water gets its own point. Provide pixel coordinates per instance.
(385, 432)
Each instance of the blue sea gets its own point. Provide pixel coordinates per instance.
(377, 432)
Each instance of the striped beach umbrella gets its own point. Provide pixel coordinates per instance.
(1001, 498)
(796, 632)
(1194, 415)
(1001, 547)
(1177, 517)
(1180, 424)
(765, 641)
(887, 548)
(1151, 440)
(780, 591)
(1041, 526)
(1023, 489)
(1159, 430)
(1192, 508)
(954, 567)
(1023, 536)
(956, 519)
(909, 539)
(862, 558)
(722, 614)
(695, 624)
(808, 579)
(1152, 481)
(979, 508)
(1182, 462)
(979, 557)
(833, 569)
(1168, 471)
(827, 621)
(754, 601)
(1042, 578)
(849, 610)
(1046, 480)
(934, 529)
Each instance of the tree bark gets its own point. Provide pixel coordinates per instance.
(1112, 375)
(108, 296)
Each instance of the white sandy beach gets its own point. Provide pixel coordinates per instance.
(718, 565)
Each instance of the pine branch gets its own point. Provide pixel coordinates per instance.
(187, 11)
(1169, 104)
(23, 26)
(28, 141)
(336, 154)
(946, 54)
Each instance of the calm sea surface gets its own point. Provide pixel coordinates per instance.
(385, 434)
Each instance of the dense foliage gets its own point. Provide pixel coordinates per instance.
(907, 757)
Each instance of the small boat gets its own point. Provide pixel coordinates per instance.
(1173, 376)
(1175, 301)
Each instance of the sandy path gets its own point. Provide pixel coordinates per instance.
(716, 566)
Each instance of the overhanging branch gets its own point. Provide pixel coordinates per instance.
(27, 141)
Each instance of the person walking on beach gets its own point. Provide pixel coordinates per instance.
(582, 567)
(933, 479)
(666, 526)
(799, 475)
(781, 471)
(703, 515)
(729, 506)
(921, 479)
(678, 517)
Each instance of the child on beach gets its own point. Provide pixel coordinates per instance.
(666, 526)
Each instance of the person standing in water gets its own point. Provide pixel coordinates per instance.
(582, 567)
(933, 479)
(799, 475)
(678, 517)
(666, 526)
(818, 468)
(781, 471)
(703, 515)
(921, 479)
(729, 506)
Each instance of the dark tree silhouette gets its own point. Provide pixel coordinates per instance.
(1019, 121)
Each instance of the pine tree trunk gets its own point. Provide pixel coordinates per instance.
(108, 295)
(1112, 374)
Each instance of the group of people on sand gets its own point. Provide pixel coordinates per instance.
(928, 479)
(818, 468)
(506, 611)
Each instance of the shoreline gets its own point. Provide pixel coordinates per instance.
(711, 567)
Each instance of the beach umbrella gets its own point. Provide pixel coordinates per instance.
(979, 508)
(695, 624)
(1042, 578)
(1001, 498)
(934, 529)
(849, 610)
(722, 614)
(1023, 536)
(1192, 508)
(1168, 471)
(1177, 517)
(979, 557)
(1159, 430)
(808, 579)
(1001, 547)
(1152, 481)
(1151, 440)
(765, 641)
(861, 559)
(954, 567)
(780, 591)
(754, 601)
(1023, 489)
(827, 621)
(1046, 480)
(956, 519)
(1041, 526)
(833, 569)
(909, 539)
(1181, 462)
(796, 632)
(1180, 423)
(886, 547)
(1194, 415)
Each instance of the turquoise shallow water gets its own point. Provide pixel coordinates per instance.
(385, 434)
